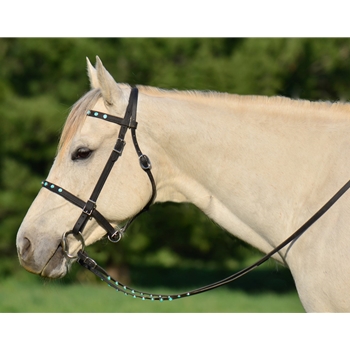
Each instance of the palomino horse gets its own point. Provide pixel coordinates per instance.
(258, 166)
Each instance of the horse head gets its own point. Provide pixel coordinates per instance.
(85, 147)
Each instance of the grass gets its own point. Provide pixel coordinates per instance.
(35, 295)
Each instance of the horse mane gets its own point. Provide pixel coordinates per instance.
(78, 111)
(236, 98)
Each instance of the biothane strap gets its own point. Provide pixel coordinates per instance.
(129, 121)
(79, 203)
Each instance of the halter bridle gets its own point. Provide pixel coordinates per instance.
(89, 208)
(114, 235)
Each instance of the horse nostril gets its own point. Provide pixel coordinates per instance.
(24, 247)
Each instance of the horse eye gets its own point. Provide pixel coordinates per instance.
(81, 153)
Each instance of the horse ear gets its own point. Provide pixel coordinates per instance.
(110, 90)
(92, 74)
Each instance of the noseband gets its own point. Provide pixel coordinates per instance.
(114, 235)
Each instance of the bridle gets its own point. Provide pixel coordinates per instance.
(114, 235)
(89, 208)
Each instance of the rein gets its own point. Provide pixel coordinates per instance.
(114, 235)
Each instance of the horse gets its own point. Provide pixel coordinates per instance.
(258, 166)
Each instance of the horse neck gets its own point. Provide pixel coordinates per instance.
(251, 164)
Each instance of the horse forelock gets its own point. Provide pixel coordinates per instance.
(77, 116)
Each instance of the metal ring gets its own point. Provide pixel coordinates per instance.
(64, 243)
(115, 237)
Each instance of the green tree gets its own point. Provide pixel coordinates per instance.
(41, 78)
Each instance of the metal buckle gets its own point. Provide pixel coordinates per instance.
(64, 243)
(86, 261)
(89, 211)
(91, 263)
(119, 147)
(145, 163)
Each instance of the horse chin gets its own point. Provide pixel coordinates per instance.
(57, 266)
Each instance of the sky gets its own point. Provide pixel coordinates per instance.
(269, 18)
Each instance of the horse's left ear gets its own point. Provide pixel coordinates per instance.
(110, 90)
(92, 75)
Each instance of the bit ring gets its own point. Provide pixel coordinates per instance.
(79, 237)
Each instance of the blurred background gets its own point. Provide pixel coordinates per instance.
(172, 247)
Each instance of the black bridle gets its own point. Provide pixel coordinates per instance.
(89, 208)
(114, 235)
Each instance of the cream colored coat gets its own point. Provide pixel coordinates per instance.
(258, 166)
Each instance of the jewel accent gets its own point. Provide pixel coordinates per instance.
(95, 114)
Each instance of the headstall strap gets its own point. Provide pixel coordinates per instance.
(129, 121)
(89, 210)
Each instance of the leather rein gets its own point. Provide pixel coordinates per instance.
(114, 235)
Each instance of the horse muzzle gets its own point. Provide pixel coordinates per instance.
(41, 259)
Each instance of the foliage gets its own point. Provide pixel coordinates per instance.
(38, 297)
(41, 78)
